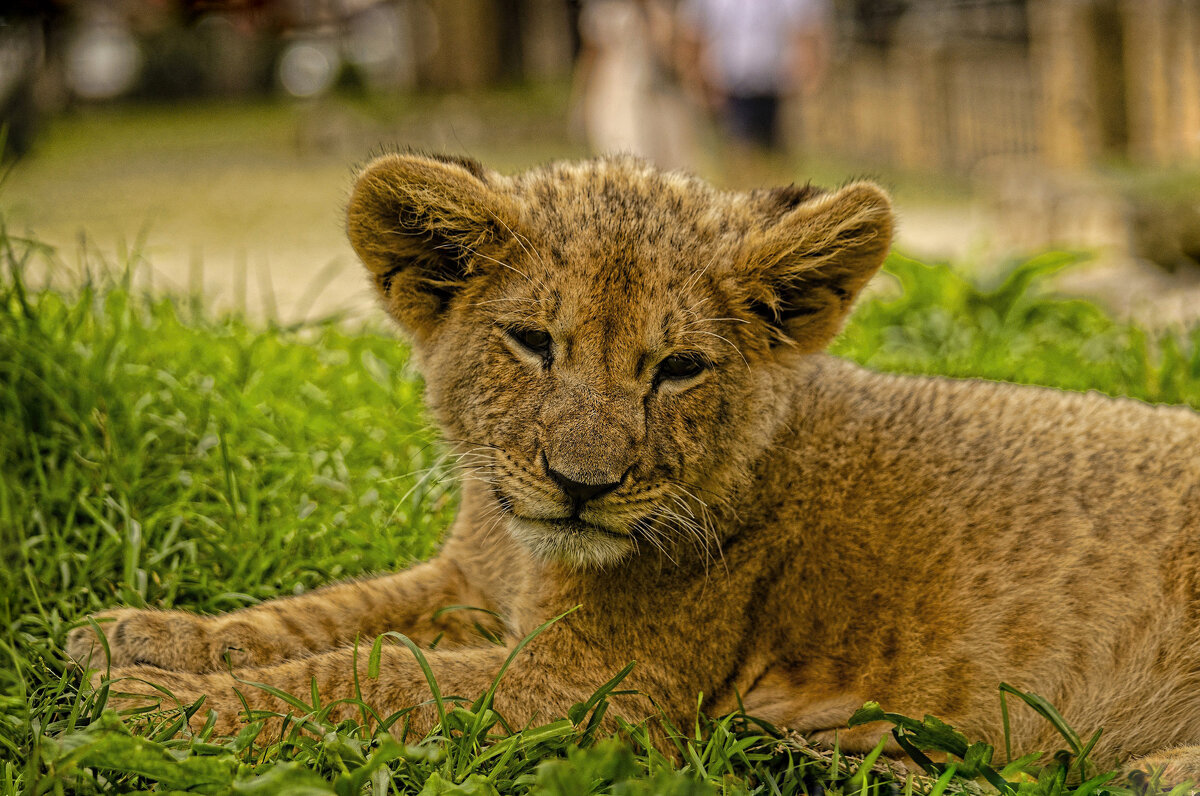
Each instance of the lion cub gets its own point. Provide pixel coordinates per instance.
(628, 363)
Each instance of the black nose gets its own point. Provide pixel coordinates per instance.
(578, 490)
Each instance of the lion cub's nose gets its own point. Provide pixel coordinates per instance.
(580, 491)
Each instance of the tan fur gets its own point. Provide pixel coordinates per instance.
(783, 526)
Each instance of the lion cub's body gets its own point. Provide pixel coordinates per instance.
(936, 538)
(628, 364)
(918, 541)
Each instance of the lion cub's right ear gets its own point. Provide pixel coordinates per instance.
(422, 225)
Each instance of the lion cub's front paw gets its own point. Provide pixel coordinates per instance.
(1166, 769)
(165, 639)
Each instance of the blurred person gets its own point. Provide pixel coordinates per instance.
(743, 58)
(22, 48)
(27, 87)
(625, 97)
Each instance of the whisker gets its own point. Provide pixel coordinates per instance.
(538, 284)
(503, 299)
(697, 274)
(705, 524)
(726, 340)
(520, 239)
(714, 320)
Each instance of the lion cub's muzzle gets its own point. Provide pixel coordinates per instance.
(581, 486)
(572, 510)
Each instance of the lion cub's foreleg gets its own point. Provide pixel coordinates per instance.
(408, 602)
(1171, 767)
(540, 684)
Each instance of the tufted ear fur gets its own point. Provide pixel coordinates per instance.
(422, 225)
(816, 252)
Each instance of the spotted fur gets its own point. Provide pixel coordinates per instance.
(778, 526)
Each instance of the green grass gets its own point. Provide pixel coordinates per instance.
(153, 453)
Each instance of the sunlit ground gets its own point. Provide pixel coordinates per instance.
(246, 200)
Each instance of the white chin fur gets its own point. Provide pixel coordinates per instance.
(579, 546)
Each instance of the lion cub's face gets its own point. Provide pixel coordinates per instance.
(608, 346)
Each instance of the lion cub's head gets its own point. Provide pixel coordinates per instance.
(610, 345)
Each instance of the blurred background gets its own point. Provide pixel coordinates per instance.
(217, 139)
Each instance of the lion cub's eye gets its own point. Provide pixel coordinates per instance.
(679, 367)
(536, 340)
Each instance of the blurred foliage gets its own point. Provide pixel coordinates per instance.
(945, 322)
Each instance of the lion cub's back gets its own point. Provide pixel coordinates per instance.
(1038, 440)
(1029, 535)
(1089, 442)
(1016, 470)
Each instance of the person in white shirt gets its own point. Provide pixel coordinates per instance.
(743, 57)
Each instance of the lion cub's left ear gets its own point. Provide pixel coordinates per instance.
(817, 252)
